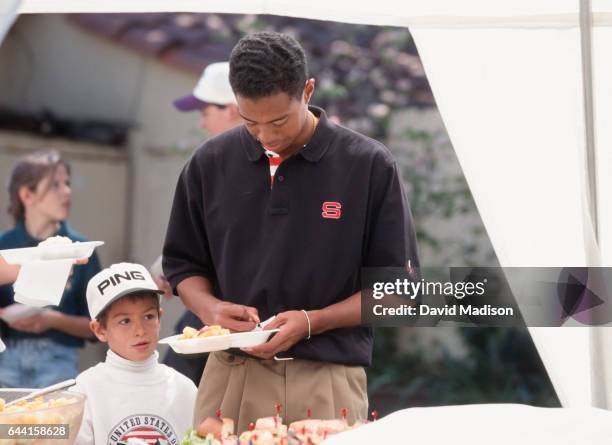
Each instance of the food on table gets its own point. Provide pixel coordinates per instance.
(306, 425)
(267, 431)
(55, 241)
(192, 438)
(261, 437)
(273, 424)
(207, 331)
(315, 431)
(218, 427)
(227, 427)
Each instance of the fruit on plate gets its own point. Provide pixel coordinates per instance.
(207, 331)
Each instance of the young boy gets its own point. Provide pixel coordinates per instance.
(131, 396)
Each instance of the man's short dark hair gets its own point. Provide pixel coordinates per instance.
(267, 63)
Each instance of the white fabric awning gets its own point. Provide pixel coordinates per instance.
(509, 81)
(8, 13)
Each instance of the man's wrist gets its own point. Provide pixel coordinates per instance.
(309, 331)
(317, 321)
(207, 314)
(196, 294)
(206, 317)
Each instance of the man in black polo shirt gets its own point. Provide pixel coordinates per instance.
(277, 217)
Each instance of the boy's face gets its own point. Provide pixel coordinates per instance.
(132, 328)
(280, 122)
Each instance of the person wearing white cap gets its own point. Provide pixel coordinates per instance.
(214, 99)
(130, 395)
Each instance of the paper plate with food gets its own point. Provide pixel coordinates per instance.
(214, 338)
(53, 248)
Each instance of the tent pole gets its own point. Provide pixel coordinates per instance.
(586, 22)
(597, 342)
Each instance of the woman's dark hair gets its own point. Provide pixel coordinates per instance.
(28, 172)
(267, 63)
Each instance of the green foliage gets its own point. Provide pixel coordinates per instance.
(502, 367)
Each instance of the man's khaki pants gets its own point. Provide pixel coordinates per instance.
(245, 389)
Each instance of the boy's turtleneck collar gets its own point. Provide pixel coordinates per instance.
(117, 361)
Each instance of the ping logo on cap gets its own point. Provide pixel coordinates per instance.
(116, 278)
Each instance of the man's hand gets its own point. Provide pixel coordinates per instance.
(35, 324)
(197, 294)
(293, 327)
(235, 317)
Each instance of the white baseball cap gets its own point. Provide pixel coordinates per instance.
(115, 282)
(212, 88)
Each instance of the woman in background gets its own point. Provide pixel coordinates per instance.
(43, 349)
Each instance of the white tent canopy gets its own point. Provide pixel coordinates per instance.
(525, 102)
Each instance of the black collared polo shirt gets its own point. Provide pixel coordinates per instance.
(336, 206)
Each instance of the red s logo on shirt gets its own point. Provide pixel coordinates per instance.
(332, 210)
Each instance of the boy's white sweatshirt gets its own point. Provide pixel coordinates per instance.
(134, 400)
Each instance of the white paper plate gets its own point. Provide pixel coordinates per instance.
(217, 342)
(74, 251)
(198, 345)
(252, 338)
